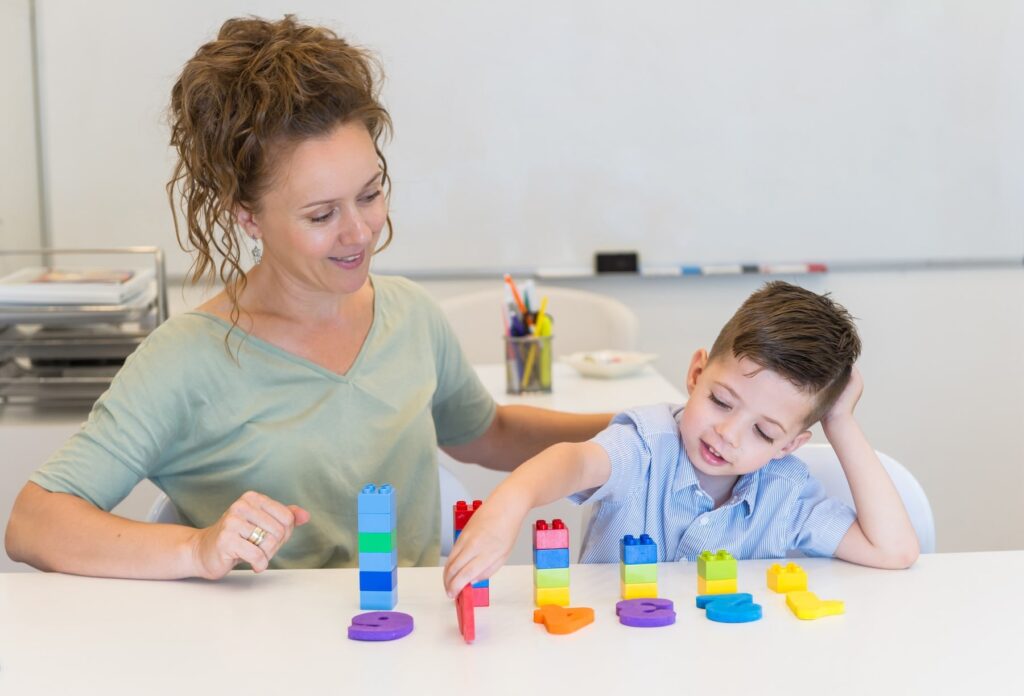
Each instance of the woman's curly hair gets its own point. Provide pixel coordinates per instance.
(241, 101)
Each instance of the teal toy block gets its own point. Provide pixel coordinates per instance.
(716, 566)
(634, 551)
(379, 600)
(375, 523)
(638, 573)
(377, 542)
(377, 501)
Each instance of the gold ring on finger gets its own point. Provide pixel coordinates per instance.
(257, 536)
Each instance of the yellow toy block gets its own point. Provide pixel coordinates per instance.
(789, 579)
(551, 595)
(716, 586)
(806, 605)
(639, 590)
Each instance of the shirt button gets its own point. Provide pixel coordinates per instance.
(703, 521)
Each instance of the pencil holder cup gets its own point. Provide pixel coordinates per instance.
(528, 364)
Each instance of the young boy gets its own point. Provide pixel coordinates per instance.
(719, 472)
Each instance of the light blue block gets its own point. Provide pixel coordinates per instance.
(378, 561)
(376, 501)
(379, 601)
(376, 523)
(551, 558)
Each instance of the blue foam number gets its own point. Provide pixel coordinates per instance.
(730, 608)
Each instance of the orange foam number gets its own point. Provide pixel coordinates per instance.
(563, 619)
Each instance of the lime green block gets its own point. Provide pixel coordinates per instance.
(377, 542)
(550, 577)
(716, 566)
(639, 573)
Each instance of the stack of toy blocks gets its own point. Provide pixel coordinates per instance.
(378, 548)
(716, 573)
(461, 512)
(638, 567)
(550, 563)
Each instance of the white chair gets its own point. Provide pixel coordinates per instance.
(824, 465)
(452, 491)
(581, 321)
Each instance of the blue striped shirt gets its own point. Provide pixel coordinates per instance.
(653, 489)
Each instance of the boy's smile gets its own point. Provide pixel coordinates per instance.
(740, 416)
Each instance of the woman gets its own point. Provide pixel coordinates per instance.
(264, 412)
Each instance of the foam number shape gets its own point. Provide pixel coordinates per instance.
(464, 610)
(563, 620)
(646, 613)
(380, 625)
(737, 607)
(807, 606)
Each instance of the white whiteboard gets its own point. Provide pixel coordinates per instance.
(531, 134)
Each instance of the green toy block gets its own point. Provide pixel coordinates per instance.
(716, 566)
(641, 573)
(550, 577)
(377, 542)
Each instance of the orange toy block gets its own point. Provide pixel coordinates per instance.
(789, 579)
(806, 605)
(563, 620)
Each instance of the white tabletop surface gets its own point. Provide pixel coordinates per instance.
(952, 624)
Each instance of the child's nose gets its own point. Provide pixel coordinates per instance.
(729, 430)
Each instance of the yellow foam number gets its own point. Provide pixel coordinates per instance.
(806, 605)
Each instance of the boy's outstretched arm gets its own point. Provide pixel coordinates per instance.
(487, 539)
(882, 535)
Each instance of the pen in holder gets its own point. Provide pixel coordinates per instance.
(528, 364)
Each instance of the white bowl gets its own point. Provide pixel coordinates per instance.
(608, 364)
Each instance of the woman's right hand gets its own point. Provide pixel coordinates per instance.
(219, 548)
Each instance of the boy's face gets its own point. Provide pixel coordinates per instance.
(740, 416)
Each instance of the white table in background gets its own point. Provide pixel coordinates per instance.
(951, 624)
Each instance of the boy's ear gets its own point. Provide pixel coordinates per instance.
(797, 442)
(247, 221)
(698, 363)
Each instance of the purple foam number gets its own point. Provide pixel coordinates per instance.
(646, 613)
(380, 625)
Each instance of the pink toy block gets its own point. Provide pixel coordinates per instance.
(554, 537)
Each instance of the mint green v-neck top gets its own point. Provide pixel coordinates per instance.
(206, 428)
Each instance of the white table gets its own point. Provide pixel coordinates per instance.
(952, 624)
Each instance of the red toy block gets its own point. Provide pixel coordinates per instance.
(481, 596)
(462, 512)
(464, 610)
(554, 537)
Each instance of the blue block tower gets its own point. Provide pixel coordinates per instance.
(378, 548)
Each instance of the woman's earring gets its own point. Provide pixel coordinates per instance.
(257, 251)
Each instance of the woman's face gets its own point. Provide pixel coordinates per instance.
(320, 220)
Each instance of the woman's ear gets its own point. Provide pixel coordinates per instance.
(796, 444)
(247, 221)
(698, 362)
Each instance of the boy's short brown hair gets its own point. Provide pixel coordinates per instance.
(804, 337)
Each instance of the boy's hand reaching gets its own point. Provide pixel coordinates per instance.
(483, 544)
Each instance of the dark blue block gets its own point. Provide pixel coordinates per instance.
(633, 551)
(376, 581)
(551, 558)
(483, 583)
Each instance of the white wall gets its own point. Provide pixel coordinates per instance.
(19, 192)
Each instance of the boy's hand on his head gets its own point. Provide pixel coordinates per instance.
(483, 545)
(847, 401)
